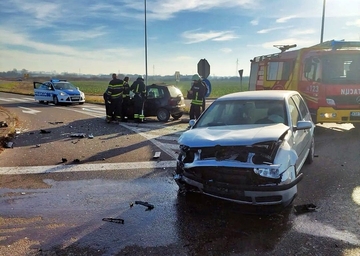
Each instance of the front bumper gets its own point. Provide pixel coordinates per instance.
(71, 99)
(240, 193)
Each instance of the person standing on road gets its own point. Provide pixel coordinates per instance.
(114, 93)
(126, 99)
(139, 90)
(196, 94)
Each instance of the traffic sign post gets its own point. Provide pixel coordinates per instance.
(203, 68)
(241, 76)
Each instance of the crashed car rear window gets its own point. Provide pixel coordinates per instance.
(243, 112)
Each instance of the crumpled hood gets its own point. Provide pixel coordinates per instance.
(234, 135)
(71, 92)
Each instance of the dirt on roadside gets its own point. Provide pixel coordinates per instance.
(8, 123)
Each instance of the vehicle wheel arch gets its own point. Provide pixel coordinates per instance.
(163, 114)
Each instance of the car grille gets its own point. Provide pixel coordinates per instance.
(227, 176)
(75, 98)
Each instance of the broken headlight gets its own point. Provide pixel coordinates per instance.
(272, 173)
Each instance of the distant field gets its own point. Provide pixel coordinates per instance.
(94, 89)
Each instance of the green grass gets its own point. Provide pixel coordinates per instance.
(218, 87)
(94, 89)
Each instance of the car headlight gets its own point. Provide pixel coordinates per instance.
(63, 94)
(272, 173)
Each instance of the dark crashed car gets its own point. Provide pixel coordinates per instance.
(248, 148)
(162, 100)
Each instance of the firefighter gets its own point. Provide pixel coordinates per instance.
(126, 99)
(196, 94)
(139, 89)
(114, 94)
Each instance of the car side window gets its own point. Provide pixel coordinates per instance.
(301, 105)
(294, 112)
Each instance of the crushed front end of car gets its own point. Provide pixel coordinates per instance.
(260, 173)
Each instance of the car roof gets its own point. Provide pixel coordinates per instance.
(261, 95)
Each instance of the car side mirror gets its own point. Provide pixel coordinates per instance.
(303, 125)
(192, 122)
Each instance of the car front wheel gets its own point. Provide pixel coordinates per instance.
(163, 115)
(56, 100)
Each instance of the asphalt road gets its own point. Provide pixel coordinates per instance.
(53, 208)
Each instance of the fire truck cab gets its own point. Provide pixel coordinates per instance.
(327, 75)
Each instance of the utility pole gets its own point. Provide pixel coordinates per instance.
(146, 70)
(322, 22)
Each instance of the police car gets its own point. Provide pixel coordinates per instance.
(58, 92)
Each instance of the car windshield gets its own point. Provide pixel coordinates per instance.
(243, 112)
(64, 86)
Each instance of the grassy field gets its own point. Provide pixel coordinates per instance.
(94, 89)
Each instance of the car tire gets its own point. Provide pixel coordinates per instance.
(163, 115)
(177, 116)
(56, 100)
(41, 101)
(81, 103)
(310, 156)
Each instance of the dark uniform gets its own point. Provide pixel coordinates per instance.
(198, 92)
(114, 94)
(139, 90)
(126, 99)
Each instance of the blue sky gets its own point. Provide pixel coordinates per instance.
(102, 37)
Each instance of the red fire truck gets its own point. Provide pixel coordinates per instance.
(327, 75)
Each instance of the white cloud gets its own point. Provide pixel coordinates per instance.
(355, 23)
(285, 19)
(226, 50)
(254, 22)
(265, 31)
(193, 36)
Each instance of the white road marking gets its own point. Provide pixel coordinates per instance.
(86, 167)
(29, 110)
(151, 138)
(5, 99)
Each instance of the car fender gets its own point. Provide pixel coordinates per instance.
(286, 156)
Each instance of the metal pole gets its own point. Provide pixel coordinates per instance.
(322, 22)
(146, 70)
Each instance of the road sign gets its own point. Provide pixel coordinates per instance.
(208, 85)
(177, 76)
(203, 68)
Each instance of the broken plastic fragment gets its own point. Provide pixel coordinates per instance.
(157, 155)
(90, 136)
(304, 208)
(78, 134)
(3, 124)
(121, 221)
(149, 206)
(9, 144)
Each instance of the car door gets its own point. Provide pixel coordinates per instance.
(300, 138)
(42, 91)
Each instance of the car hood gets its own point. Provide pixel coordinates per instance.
(71, 92)
(234, 135)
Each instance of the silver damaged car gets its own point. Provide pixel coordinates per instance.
(248, 147)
